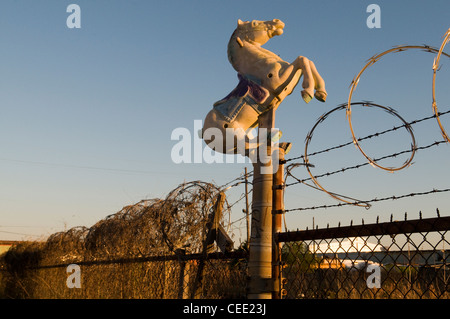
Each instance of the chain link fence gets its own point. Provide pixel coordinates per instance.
(178, 276)
(393, 260)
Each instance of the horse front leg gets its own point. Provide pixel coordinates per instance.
(319, 83)
(303, 63)
(311, 80)
(283, 73)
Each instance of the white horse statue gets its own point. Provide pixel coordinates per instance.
(264, 81)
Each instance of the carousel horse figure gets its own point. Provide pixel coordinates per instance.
(264, 81)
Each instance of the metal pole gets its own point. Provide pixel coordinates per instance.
(260, 254)
(277, 219)
(247, 213)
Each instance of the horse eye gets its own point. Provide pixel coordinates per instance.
(269, 75)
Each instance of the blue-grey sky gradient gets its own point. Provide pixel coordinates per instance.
(87, 114)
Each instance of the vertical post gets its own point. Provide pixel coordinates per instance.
(247, 213)
(182, 288)
(215, 233)
(277, 218)
(260, 255)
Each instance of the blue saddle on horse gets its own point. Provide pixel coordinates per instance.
(247, 92)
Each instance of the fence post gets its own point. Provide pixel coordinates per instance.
(247, 213)
(215, 233)
(277, 215)
(260, 254)
(183, 289)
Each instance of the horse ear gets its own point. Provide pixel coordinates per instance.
(239, 41)
(240, 22)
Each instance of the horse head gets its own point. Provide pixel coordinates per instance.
(256, 31)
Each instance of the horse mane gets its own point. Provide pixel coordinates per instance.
(257, 51)
(232, 46)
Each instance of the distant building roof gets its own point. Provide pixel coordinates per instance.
(349, 245)
(5, 245)
(7, 242)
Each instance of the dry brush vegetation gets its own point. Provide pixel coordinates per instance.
(135, 253)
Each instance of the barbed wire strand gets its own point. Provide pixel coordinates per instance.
(436, 143)
(368, 136)
(372, 161)
(434, 191)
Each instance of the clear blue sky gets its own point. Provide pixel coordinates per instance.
(87, 114)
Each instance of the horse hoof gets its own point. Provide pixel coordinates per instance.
(286, 146)
(321, 96)
(306, 96)
(274, 136)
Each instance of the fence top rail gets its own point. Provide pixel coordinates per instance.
(387, 228)
(181, 257)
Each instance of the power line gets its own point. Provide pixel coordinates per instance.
(79, 166)
(14, 233)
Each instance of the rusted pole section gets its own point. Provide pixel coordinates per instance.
(247, 213)
(277, 218)
(260, 254)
